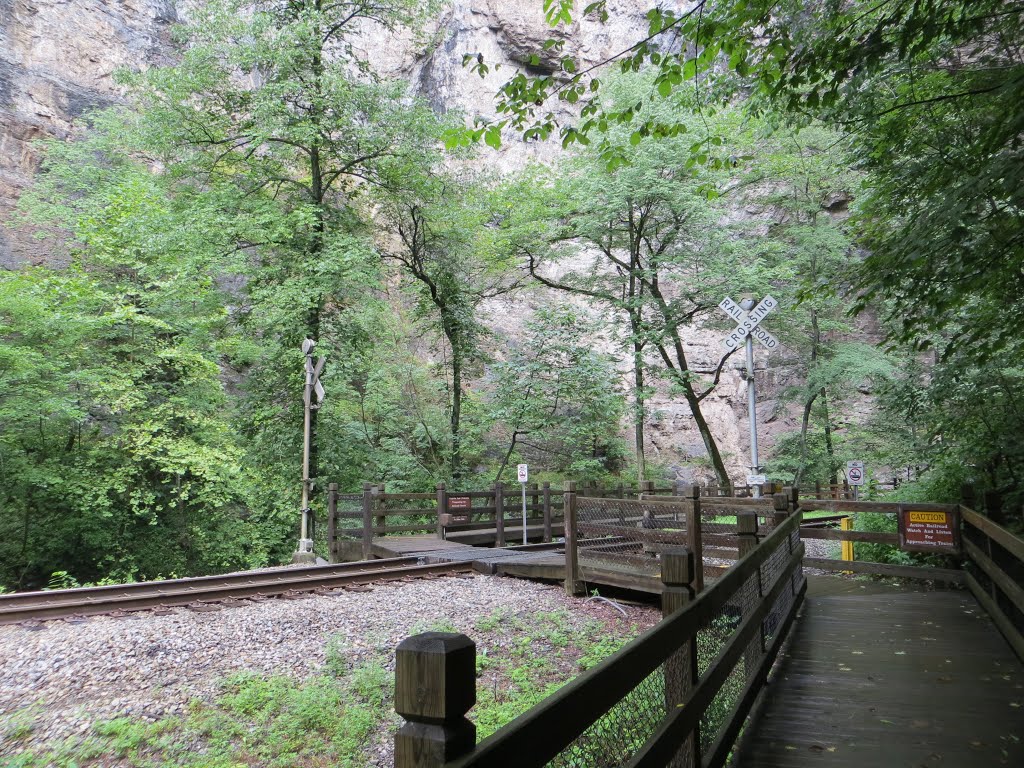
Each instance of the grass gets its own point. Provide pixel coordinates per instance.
(255, 720)
(337, 717)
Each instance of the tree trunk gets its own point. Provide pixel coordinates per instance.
(638, 412)
(832, 466)
(456, 415)
(635, 322)
(805, 421)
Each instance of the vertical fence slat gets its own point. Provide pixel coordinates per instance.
(693, 536)
(546, 489)
(369, 491)
(442, 508)
(572, 568)
(499, 515)
(332, 522)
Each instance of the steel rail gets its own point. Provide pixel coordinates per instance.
(83, 601)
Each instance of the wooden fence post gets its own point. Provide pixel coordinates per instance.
(645, 487)
(968, 497)
(369, 491)
(499, 514)
(817, 489)
(746, 532)
(572, 567)
(693, 536)
(679, 570)
(435, 685)
(994, 507)
(781, 502)
(547, 512)
(442, 508)
(332, 522)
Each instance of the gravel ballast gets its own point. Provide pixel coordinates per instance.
(66, 676)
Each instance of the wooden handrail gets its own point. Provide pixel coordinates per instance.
(554, 724)
(1000, 582)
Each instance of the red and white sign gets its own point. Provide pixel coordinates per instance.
(855, 472)
(929, 531)
(523, 473)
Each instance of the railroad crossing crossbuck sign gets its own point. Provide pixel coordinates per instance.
(748, 324)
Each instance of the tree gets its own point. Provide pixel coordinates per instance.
(117, 454)
(275, 119)
(443, 245)
(929, 91)
(555, 400)
(652, 247)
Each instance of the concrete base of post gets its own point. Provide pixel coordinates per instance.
(304, 555)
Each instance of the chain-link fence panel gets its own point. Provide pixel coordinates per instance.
(627, 535)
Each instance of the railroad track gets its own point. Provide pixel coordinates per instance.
(822, 522)
(211, 590)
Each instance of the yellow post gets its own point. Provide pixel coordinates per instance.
(846, 524)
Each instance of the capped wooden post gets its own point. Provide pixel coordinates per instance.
(679, 571)
(442, 508)
(573, 585)
(781, 505)
(546, 489)
(369, 491)
(435, 685)
(332, 522)
(499, 515)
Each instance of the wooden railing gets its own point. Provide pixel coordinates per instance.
(354, 520)
(655, 683)
(996, 574)
(890, 538)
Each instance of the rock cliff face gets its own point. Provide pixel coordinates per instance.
(57, 59)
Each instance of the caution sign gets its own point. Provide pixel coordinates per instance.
(458, 510)
(929, 530)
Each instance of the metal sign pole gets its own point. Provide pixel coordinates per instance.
(304, 553)
(523, 475)
(305, 543)
(524, 513)
(747, 305)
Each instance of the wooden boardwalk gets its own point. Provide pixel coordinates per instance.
(884, 676)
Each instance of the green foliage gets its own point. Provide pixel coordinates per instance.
(555, 401)
(118, 458)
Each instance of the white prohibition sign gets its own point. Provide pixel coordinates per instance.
(855, 472)
(523, 472)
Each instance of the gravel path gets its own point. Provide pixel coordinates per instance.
(150, 666)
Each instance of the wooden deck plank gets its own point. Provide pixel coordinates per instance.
(890, 677)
